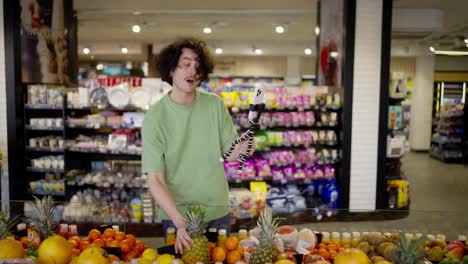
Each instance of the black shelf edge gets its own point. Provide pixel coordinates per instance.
(44, 149)
(44, 193)
(31, 128)
(98, 127)
(93, 108)
(94, 186)
(270, 180)
(313, 109)
(41, 170)
(93, 155)
(301, 147)
(43, 107)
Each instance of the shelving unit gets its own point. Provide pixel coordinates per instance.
(449, 136)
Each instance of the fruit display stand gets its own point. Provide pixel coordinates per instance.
(42, 236)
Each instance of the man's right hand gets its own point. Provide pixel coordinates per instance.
(183, 240)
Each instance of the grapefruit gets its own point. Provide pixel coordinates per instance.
(55, 249)
(351, 256)
(11, 249)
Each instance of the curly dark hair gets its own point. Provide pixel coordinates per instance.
(168, 58)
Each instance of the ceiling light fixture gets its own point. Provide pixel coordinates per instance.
(308, 51)
(451, 52)
(333, 54)
(466, 40)
(279, 29)
(124, 50)
(136, 28)
(99, 67)
(219, 50)
(258, 51)
(207, 30)
(128, 65)
(86, 51)
(432, 49)
(317, 30)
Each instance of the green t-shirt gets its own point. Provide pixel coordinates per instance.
(186, 143)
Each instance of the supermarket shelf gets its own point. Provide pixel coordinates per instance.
(313, 109)
(91, 108)
(447, 160)
(44, 149)
(94, 186)
(42, 170)
(88, 127)
(44, 193)
(29, 127)
(447, 132)
(43, 107)
(102, 156)
(313, 145)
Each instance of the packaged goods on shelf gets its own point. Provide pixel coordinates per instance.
(51, 95)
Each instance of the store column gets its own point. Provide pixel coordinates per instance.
(421, 103)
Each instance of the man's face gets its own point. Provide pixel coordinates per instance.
(185, 77)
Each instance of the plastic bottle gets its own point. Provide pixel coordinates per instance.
(170, 236)
(222, 236)
(356, 239)
(243, 234)
(336, 237)
(346, 239)
(325, 237)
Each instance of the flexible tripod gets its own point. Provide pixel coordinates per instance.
(255, 111)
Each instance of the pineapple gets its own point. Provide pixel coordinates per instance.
(6, 223)
(196, 224)
(43, 216)
(265, 252)
(408, 253)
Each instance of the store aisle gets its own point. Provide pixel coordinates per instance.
(435, 185)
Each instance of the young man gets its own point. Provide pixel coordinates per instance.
(184, 136)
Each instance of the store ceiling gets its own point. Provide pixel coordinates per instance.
(238, 26)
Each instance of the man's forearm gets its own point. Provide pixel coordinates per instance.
(164, 198)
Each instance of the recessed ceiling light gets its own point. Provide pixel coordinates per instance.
(124, 50)
(431, 49)
(219, 50)
(258, 51)
(317, 30)
(128, 65)
(279, 29)
(86, 51)
(308, 51)
(207, 30)
(333, 54)
(451, 52)
(99, 67)
(136, 28)
(466, 40)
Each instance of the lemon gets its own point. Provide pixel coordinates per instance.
(165, 259)
(150, 254)
(144, 261)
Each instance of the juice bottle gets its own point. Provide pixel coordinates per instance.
(336, 237)
(346, 239)
(325, 237)
(242, 234)
(222, 236)
(356, 239)
(170, 236)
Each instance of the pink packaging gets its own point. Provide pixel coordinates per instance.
(301, 116)
(309, 118)
(263, 167)
(307, 139)
(294, 119)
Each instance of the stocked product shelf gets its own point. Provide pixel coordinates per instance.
(44, 149)
(34, 128)
(42, 107)
(44, 170)
(91, 155)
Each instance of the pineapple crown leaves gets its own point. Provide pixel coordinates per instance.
(43, 216)
(196, 220)
(6, 223)
(268, 227)
(406, 252)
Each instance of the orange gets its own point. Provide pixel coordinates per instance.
(112, 258)
(84, 245)
(233, 257)
(99, 243)
(114, 243)
(77, 238)
(321, 245)
(74, 243)
(218, 254)
(240, 249)
(86, 239)
(231, 243)
(126, 246)
(332, 247)
(324, 253)
(130, 255)
(109, 233)
(311, 250)
(94, 234)
(76, 252)
(108, 241)
(139, 246)
(341, 249)
(119, 236)
(211, 246)
(131, 238)
(333, 254)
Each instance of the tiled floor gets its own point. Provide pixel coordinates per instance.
(439, 194)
